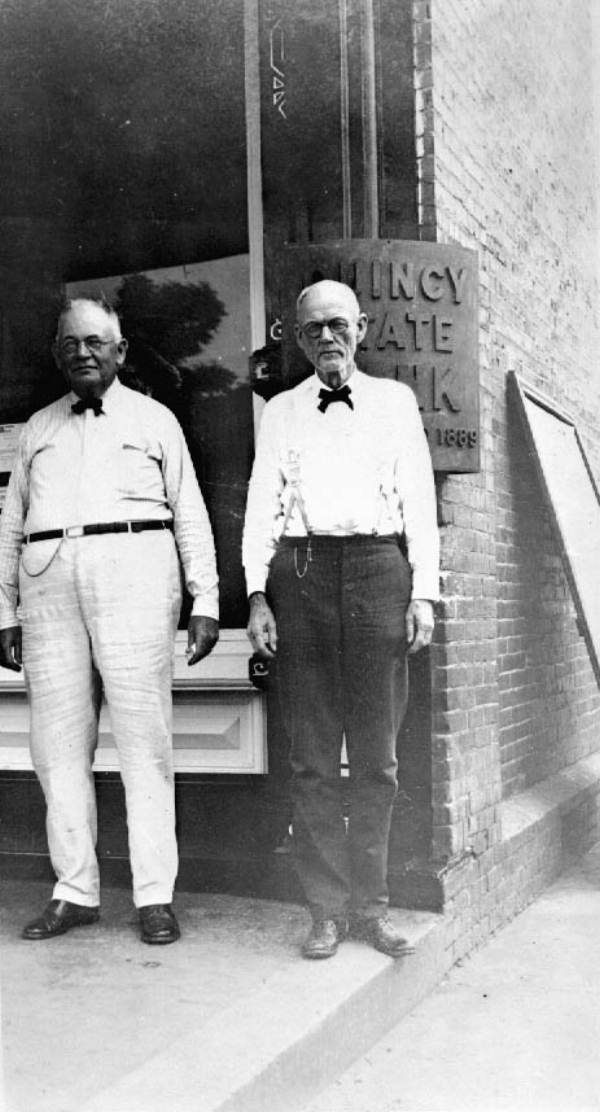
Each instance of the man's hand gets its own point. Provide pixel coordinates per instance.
(10, 648)
(203, 634)
(419, 624)
(262, 629)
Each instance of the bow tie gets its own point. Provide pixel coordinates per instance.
(329, 396)
(92, 403)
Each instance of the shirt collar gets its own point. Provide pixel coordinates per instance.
(354, 383)
(110, 398)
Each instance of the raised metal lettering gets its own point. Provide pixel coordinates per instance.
(441, 390)
(432, 283)
(388, 334)
(459, 281)
(402, 277)
(442, 340)
(375, 278)
(420, 323)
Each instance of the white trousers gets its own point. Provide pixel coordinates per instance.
(103, 615)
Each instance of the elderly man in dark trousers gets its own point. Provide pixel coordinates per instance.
(342, 487)
(102, 501)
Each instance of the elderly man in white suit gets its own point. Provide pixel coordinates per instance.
(102, 504)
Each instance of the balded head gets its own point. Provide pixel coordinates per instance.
(329, 328)
(89, 347)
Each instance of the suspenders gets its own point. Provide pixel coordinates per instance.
(296, 498)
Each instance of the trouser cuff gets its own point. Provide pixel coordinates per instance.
(75, 896)
(153, 899)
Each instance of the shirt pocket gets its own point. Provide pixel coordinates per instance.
(139, 473)
(45, 459)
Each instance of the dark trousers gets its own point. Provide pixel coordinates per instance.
(341, 667)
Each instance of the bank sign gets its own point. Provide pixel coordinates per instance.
(421, 301)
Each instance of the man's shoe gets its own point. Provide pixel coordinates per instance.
(324, 938)
(159, 925)
(58, 918)
(382, 934)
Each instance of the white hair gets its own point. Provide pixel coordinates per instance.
(328, 285)
(100, 303)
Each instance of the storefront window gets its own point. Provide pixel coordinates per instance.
(338, 141)
(188, 329)
(123, 129)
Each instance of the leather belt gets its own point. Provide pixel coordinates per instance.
(99, 527)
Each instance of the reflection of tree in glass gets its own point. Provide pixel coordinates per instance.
(211, 379)
(165, 324)
(168, 326)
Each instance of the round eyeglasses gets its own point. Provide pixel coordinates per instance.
(93, 344)
(314, 328)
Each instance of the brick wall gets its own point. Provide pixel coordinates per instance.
(505, 143)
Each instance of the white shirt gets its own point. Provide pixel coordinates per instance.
(130, 462)
(363, 470)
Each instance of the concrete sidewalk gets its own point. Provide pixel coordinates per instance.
(231, 1019)
(514, 1028)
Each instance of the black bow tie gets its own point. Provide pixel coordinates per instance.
(92, 403)
(329, 396)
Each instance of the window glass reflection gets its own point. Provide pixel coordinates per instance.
(188, 330)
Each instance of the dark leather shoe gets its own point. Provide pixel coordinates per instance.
(159, 925)
(382, 934)
(324, 938)
(58, 918)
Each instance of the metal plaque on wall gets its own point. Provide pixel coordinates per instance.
(421, 301)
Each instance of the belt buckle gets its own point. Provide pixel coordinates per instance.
(74, 531)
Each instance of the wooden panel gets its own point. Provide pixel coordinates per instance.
(219, 719)
(212, 733)
(225, 667)
(14, 734)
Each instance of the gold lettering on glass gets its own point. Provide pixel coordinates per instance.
(276, 64)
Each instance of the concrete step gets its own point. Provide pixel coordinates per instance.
(230, 1019)
(273, 1050)
(515, 1027)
